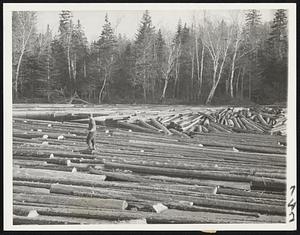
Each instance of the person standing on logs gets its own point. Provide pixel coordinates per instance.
(90, 140)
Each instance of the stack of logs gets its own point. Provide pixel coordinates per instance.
(147, 177)
(229, 120)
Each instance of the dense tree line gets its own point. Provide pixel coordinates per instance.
(206, 62)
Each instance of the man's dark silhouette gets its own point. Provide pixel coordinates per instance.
(90, 140)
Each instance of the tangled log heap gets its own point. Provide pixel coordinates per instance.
(150, 167)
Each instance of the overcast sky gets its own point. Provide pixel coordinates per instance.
(127, 22)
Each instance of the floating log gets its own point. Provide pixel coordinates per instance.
(190, 173)
(31, 184)
(49, 176)
(117, 176)
(269, 185)
(229, 191)
(30, 190)
(179, 206)
(42, 219)
(81, 213)
(73, 201)
(191, 181)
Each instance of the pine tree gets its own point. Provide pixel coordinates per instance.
(79, 55)
(274, 87)
(123, 90)
(65, 38)
(45, 65)
(278, 36)
(252, 42)
(145, 55)
(178, 42)
(183, 85)
(160, 50)
(107, 51)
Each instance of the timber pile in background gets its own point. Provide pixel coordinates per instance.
(155, 173)
(178, 120)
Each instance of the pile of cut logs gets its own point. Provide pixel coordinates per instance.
(141, 175)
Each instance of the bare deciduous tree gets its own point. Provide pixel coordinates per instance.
(217, 41)
(238, 37)
(23, 29)
(172, 56)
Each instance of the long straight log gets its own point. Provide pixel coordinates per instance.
(31, 184)
(30, 190)
(80, 213)
(183, 207)
(72, 200)
(229, 191)
(192, 173)
(192, 181)
(47, 153)
(49, 176)
(42, 219)
(269, 185)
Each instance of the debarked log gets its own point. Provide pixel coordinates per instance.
(190, 173)
(72, 200)
(49, 176)
(42, 219)
(81, 213)
(30, 190)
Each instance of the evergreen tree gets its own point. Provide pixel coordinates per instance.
(145, 55)
(107, 53)
(278, 37)
(45, 64)
(123, 90)
(160, 50)
(252, 42)
(275, 63)
(65, 39)
(184, 88)
(79, 56)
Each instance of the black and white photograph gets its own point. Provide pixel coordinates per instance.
(146, 116)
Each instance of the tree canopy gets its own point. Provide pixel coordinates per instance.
(206, 62)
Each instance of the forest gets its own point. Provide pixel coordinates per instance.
(209, 61)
